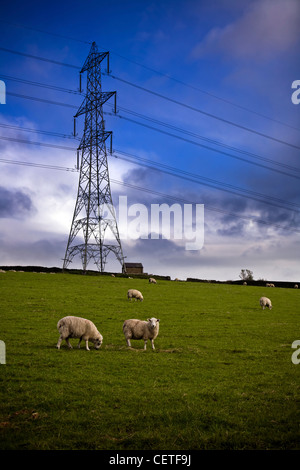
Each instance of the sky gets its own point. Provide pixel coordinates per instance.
(204, 97)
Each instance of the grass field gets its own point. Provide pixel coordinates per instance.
(221, 376)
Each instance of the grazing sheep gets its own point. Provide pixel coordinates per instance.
(296, 286)
(265, 302)
(134, 294)
(76, 327)
(152, 280)
(244, 283)
(139, 329)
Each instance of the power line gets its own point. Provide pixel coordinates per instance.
(126, 154)
(170, 135)
(31, 56)
(207, 207)
(168, 196)
(213, 141)
(43, 85)
(147, 118)
(192, 108)
(45, 32)
(208, 148)
(194, 177)
(41, 100)
(43, 144)
(38, 131)
(38, 165)
(193, 87)
(162, 74)
(143, 162)
(172, 171)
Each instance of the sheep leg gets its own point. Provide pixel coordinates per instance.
(152, 343)
(128, 342)
(78, 345)
(68, 343)
(87, 345)
(59, 342)
(145, 344)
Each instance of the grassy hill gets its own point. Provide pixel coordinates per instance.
(221, 376)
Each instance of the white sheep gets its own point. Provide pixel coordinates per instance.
(135, 294)
(139, 329)
(77, 327)
(296, 286)
(152, 280)
(265, 302)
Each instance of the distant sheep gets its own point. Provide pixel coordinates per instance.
(265, 302)
(244, 283)
(76, 327)
(139, 329)
(296, 286)
(152, 280)
(135, 294)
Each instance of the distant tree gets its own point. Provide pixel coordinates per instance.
(246, 275)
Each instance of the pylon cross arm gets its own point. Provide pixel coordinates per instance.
(92, 103)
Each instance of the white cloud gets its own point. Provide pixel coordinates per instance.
(266, 27)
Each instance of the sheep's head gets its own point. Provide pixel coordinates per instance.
(98, 342)
(153, 322)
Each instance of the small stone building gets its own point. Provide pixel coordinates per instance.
(133, 268)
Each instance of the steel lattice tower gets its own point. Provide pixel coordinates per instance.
(94, 211)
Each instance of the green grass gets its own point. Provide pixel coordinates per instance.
(221, 376)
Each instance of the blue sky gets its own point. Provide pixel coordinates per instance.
(232, 61)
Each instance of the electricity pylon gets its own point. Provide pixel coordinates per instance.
(94, 232)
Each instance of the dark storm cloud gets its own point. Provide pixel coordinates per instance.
(161, 255)
(232, 230)
(144, 177)
(14, 203)
(225, 212)
(47, 251)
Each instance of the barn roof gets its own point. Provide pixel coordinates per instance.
(133, 265)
